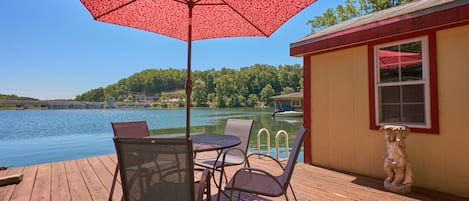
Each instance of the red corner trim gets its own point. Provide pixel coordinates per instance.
(307, 107)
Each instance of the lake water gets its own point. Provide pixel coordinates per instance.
(30, 137)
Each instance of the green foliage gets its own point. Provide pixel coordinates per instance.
(351, 9)
(266, 93)
(14, 97)
(129, 99)
(200, 93)
(221, 88)
(96, 95)
(252, 100)
(287, 90)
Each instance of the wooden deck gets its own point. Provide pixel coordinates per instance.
(89, 179)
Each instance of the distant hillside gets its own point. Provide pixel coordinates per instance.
(247, 86)
(15, 97)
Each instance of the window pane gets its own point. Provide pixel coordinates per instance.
(389, 75)
(390, 94)
(414, 113)
(413, 47)
(390, 113)
(411, 61)
(389, 64)
(413, 93)
(412, 72)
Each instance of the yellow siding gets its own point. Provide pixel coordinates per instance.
(339, 96)
(453, 78)
(341, 137)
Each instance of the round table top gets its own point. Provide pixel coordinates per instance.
(207, 142)
(210, 142)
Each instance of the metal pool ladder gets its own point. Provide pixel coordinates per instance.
(277, 142)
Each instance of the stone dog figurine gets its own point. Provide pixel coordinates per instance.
(396, 166)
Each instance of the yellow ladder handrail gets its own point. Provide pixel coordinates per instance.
(259, 140)
(280, 132)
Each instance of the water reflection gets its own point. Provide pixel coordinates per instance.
(262, 119)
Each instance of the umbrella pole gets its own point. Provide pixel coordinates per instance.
(190, 4)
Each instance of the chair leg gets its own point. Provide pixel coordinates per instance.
(209, 193)
(114, 180)
(293, 192)
(221, 180)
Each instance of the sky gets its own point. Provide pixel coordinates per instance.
(54, 49)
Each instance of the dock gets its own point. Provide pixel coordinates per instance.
(89, 179)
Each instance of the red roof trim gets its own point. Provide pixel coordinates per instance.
(456, 16)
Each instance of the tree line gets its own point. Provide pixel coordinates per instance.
(226, 87)
(350, 9)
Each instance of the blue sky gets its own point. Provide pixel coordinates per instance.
(53, 49)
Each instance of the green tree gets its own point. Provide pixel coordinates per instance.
(199, 93)
(287, 90)
(95, 95)
(226, 89)
(351, 9)
(252, 100)
(266, 93)
(129, 99)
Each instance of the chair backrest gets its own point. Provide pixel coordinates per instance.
(242, 129)
(130, 129)
(286, 176)
(143, 179)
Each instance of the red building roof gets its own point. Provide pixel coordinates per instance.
(407, 18)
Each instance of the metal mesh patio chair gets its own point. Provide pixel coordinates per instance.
(233, 156)
(260, 182)
(132, 129)
(175, 183)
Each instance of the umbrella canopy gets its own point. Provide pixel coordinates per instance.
(392, 59)
(190, 20)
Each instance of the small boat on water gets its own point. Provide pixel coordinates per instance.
(288, 105)
(290, 113)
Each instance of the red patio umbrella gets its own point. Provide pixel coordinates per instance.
(393, 59)
(190, 20)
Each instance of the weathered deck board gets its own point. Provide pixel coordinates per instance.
(95, 187)
(90, 179)
(23, 189)
(59, 184)
(77, 185)
(42, 184)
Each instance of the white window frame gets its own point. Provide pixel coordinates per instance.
(296, 102)
(425, 81)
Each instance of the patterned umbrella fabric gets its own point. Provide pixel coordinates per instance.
(190, 20)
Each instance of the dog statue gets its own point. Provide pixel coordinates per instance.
(396, 166)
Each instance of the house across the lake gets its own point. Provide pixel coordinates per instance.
(288, 105)
(407, 65)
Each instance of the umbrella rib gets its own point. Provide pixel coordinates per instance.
(247, 20)
(114, 9)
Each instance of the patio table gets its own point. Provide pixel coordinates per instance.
(207, 142)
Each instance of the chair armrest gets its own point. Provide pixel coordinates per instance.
(270, 157)
(250, 169)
